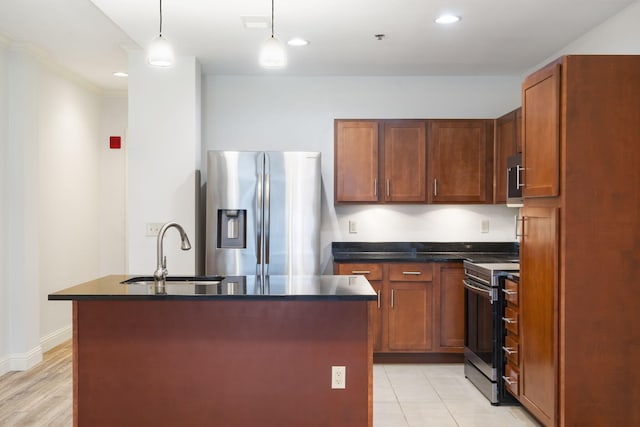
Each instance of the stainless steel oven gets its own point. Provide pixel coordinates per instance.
(484, 330)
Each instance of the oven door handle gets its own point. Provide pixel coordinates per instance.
(478, 289)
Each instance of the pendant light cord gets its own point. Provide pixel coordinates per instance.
(272, 18)
(160, 18)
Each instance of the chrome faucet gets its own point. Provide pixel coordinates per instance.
(161, 270)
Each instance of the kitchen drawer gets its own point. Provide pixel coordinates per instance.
(512, 379)
(511, 319)
(411, 272)
(371, 271)
(512, 349)
(510, 291)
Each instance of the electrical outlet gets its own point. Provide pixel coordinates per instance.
(153, 228)
(353, 227)
(484, 226)
(338, 377)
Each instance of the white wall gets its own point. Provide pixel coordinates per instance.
(4, 300)
(297, 113)
(112, 186)
(163, 155)
(619, 35)
(51, 198)
(21, 204)
(68, 176)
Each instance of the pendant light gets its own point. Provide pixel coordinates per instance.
(272, 54)
(160, 52)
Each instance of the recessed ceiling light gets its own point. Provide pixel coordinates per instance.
(297, 41)
(447, 19)
(256, 22)
(120, 74)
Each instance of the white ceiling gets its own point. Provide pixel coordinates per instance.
(495, 37)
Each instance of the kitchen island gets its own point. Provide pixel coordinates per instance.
(233, 352)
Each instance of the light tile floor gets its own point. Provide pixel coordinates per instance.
(436, 395)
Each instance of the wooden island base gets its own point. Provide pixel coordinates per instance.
(220, 363)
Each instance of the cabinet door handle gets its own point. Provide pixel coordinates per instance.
(510, 350)
(519, 177)
(375, 187)
(518, 220)
(392, 297)
(509, 320)
(508, 380)
(435, 187)
(412, 273)
(388, 188)
(378, 298)
(360, 272)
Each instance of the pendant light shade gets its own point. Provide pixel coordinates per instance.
(272, 54)
(160, 52)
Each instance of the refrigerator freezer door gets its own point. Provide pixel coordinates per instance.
(232, 183)
(280, 195)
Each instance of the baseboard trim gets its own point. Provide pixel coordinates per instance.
(418, 357)
(55, 338)
(4, 366)
(21, 361)
(24, 361)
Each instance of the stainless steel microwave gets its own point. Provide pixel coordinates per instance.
(514, 181)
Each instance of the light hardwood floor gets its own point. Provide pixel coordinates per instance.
(41, 396)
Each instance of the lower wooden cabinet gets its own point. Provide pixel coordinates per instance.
(410, 309)
(419, 307)
(373, 272)
(450, 307)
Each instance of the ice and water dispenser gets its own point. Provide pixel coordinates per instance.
(232, 228)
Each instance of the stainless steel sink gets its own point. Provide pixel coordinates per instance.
(185, 286)
(176, 280)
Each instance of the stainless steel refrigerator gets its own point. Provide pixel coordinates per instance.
(263, 213)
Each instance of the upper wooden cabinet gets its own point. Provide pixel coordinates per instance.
(460, 161)
(370, 169)
(356, 161)
(507, 137)
(541, 132)
(405, 157)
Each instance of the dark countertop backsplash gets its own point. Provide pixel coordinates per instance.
(425, 251)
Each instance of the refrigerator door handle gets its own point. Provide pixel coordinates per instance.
(259, 212)
(267, 211)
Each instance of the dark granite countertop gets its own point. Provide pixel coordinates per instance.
(306, 288)
(425, 251)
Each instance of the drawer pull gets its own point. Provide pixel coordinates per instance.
(411, 273)
(508, 380)
(392, 297)
(378, 299)
(510, 350)
(509, 292)
(360, 271)
(510, 320)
